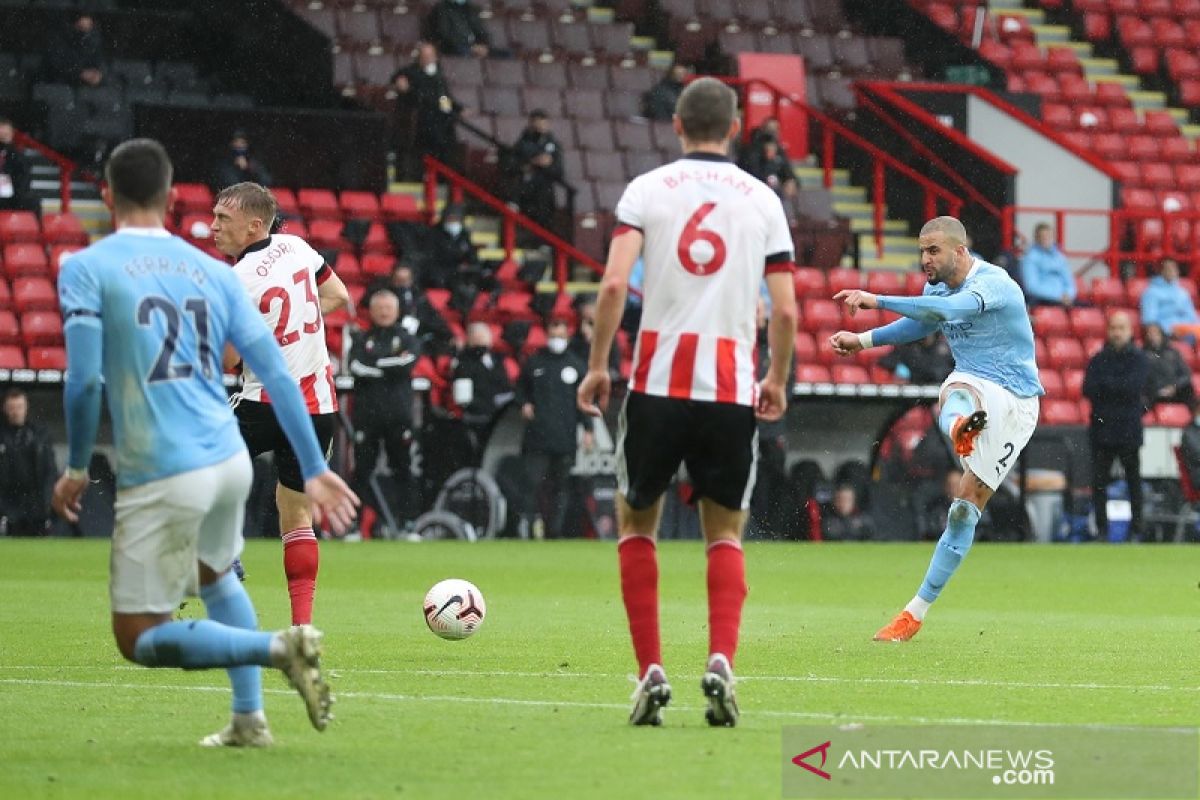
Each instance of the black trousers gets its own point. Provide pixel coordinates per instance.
(550, 485)
(1103, 457)
(393, 435)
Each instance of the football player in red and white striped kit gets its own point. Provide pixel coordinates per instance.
(293, 288)
(708, 234)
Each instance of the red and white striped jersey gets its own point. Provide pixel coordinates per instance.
(712, 231)
(281, 274)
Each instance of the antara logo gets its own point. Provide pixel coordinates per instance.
(823, 749)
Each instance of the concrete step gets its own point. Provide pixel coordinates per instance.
(1051, 34)
(851, 194)
(890, 261)
(1035, 15)
(1191, 131)
(1130, 82)
(1082, 49)
(1143, 99)
(899, 245)
(1099, 66)
(867, 225)
(852, 210)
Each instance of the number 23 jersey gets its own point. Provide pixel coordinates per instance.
(712, 231)
(281, 274)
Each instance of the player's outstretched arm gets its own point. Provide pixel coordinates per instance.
(596, 386)
(781, 336)
(927, 308)
(901, 331)
(81, 396)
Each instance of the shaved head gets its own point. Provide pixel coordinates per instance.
(954, 231)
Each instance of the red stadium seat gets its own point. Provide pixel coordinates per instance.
(1051, 321)
(47, 358)
(326, 234)
(805, 346)
(1109, 93)
(843, 278)
(400, 207)
(1060, 412)
(63, 229)
(193, 198)
(914, 284)
(34, 294)
(25, 259)
(360, 205)
(377, 239)
(347, 268)
(1108, 292)
(1160, 123)
(810, 282)
(6, 300)
(1177, 150)
(1052, 382)
(816, 314)
(812, 373)
(1073, 383)
(377, 264)
(850, 373)
(1087, 322)
(318, 204)
(11, 357)
(41, 328)
(1062, 59)
(10, 331)
(886, 282)
(1063, 352)
(285, 199)
(1172, 415)
(19, 226)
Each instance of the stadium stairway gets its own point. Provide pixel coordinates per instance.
(46, 186)
(852, 202)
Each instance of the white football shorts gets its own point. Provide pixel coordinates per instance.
(1011, 420)
(164, 527)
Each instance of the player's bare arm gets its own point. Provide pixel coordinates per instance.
(596, 386)
(333, 294)
(781, 333)
(856, 299)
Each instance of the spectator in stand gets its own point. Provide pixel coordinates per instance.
(381, 360)
(769, 505)
(1046, 275)
(769, 130)
(1170, 378)
(417, 314)
(238, 166)
(770, 165)
(1191, 445)
(453, 261)
(926, 360)
(1010, 259)
(1115, 383)
(581, 342)
(14, 172)
(425, 111)
(76, 55)
(455, 27)
(480, 384)
(546, 394)
(536, 163)
(844, 521)
(1167, 304)
(659, 102)
(27, 470)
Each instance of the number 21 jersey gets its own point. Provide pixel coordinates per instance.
(281, 274)
(712, 231)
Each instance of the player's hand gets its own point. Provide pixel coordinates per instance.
(67, 499)
(594, 390)
(772, 400)
(856, 299)
(845, 343)
(527, 411)
(332, 500)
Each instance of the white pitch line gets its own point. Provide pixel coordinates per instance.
(952, 682)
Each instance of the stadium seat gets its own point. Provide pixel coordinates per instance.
(1073, 383)
(812, 373)
(1060, 412)
(850, 374)
(843, 278)
(1063, 352)
(886, 282)
(810, 282)
(41, 328)
(63, 229)
(11, 357)
(347, 268)
(1087, 322)
(817, 314)
(1109, 93)
(377, 265)
(318, 204)
(1051, 381)
(1050, 321)
(1108, 292)
(326, 234)
(34, 294)
(19, 226)
(6, 300)
(400, 207)
(805, 346)
(58, 254)
(47, 358)
(193, 198)
(360, 205)
(24, 259)
(10, 330)
(1172, 415)
(1161, 123)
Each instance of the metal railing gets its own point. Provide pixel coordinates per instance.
(66, 167)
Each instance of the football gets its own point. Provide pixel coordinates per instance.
(454, 608)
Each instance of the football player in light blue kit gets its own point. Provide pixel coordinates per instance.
(989, 404)
(147, 317)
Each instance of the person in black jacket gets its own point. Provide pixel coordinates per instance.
(453, 262)
(480, 384)
(417, 314)
(536, 163)
(457, 30)
(76, 56)
(770, 165)
(1115, 383)
(546, 394)
(425, 110)
(659, 102)
(14, 172)
(27, 470)
(581, 342)
(1170, 379)
(238, 166)
(381, 360)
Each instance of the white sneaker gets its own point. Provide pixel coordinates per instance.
(254, 734)
(717, 684)
(652, 694)
(301, 662)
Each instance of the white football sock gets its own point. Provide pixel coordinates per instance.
(918, 608)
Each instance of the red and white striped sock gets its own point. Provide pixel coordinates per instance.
(301, 558)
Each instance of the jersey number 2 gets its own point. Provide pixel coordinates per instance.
(282, 334)
(692, 233)
(163, 369)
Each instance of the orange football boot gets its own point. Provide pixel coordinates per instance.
(903, 627)
(965, 430)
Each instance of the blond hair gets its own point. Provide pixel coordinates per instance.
(255, 200)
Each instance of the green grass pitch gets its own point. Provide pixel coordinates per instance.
(534, 706)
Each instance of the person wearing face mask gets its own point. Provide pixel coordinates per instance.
(454, 263)
(456, 28)
(536, 164)
(425, 111)
(546, 394)
(237, 166)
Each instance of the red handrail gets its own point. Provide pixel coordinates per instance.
(66, 167)
(881, 160)
(564, 251)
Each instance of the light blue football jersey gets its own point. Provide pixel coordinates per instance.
(166, 310)
(996, 345)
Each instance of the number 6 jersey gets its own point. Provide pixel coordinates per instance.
(712, 231)
(281, 274)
